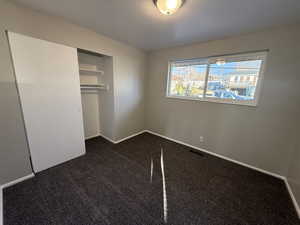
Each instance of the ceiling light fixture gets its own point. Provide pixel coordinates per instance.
(168, 7)
(220, 62)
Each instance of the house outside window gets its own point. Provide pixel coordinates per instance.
(234, 79)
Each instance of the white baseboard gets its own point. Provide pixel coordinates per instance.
(219, 156)
(179, 142)
(297, 208)
(1, 205)
(131, 136)
(296, 205)
(93, 136)
(17, 181)
(123, 139)
(197, 148)
(100, 135)
(107, 138)
(8, 185)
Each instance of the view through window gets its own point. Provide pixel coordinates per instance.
(228, 79)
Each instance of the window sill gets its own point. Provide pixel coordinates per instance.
(213, 100)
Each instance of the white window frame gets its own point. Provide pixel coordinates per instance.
(258, 55)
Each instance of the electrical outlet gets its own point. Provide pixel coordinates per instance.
(201, 139)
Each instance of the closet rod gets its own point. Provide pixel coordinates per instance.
(94, 87)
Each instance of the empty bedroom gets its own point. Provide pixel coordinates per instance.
(148, 112)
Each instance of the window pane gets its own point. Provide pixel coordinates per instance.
(233, 80)
(187, 79)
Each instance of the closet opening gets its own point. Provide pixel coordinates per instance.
(96, 84)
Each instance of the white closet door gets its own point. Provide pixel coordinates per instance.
(47, 77)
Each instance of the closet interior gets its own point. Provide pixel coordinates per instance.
(96, 86)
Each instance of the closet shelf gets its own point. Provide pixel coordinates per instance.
(94, 87)
(90, 68)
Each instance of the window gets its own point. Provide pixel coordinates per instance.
(226, 79)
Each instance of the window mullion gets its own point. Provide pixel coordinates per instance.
(206, 80)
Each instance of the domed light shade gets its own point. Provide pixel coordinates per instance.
(168, 7)
(220, 62)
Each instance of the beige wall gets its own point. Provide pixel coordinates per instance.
(14, 158)
(128, 67)
(294, 168)
(294, 175)
(129, 91)
(259, 136)
(106, 98)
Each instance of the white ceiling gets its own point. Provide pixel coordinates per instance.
(140, 24)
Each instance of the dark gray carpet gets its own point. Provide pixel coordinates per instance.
(112, 184)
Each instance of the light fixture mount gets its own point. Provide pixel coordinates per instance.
(220, 62)
(168, 7)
